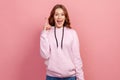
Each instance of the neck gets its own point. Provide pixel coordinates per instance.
(59, 27)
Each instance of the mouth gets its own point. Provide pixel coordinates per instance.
(60, 22)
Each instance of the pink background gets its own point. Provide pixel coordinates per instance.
(96, 21)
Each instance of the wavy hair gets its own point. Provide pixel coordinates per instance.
(51, 17)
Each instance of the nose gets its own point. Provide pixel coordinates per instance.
(59, 16)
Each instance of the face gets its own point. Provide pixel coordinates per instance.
(59, 17)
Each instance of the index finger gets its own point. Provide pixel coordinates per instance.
(46, 20)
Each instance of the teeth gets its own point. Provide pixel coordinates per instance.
(59, 20)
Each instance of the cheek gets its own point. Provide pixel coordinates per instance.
(64, 18)
(55, 18)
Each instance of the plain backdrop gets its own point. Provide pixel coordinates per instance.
(97, 23)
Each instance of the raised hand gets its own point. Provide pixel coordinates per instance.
(47, 25)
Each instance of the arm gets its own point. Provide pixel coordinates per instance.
(77, 58)
(44, 45)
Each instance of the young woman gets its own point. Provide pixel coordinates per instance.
(59, 46)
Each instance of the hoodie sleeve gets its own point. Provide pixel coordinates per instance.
(76, 57)
(44, 45)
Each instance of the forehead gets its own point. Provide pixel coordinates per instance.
(59, 10)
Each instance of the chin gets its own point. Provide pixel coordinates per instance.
(59, 26)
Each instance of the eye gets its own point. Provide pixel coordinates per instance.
(56, 14)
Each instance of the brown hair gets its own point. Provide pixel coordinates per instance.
(51, 17)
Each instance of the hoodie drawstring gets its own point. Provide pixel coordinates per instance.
(56, 37)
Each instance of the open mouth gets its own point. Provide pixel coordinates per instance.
(59, 22)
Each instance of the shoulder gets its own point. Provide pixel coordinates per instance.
(71, 30)
(73, 33)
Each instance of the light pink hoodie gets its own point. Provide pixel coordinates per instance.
(61, 62)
